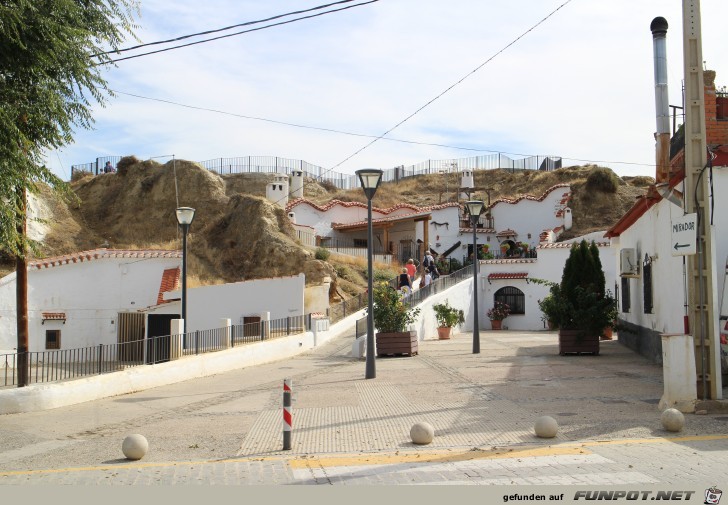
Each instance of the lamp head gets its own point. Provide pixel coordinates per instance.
(475, 208)
(185, 215)
(370, 179)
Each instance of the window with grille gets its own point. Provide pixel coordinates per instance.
(647, 284)
(513, 297)
(53, 339)
(626, 302)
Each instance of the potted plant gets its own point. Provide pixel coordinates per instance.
(497, 313)
(447, 318)
(504, 247)
(391, 318)
(579, 306)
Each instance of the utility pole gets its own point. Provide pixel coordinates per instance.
(702, 281)
(21, 289)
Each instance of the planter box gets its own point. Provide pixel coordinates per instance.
(404, 343)
(576, 342)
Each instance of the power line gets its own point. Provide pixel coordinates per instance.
(239, 33)
(452, 86)
(247, 23)
(356, 134)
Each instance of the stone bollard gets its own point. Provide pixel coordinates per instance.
(422, 433)
(672, 420)
(546, 427)
(134, 446)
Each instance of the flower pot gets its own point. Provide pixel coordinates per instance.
(496, 324)
(443, 332)
(399, 343)
(578, 342)
(607, 333)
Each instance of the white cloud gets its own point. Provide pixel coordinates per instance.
(580, 85)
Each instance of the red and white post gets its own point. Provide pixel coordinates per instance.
(287, 415)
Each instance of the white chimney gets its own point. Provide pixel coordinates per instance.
(297, 184)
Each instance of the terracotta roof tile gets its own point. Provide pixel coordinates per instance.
(95, 254)
(508, 275)
(401, 217)
(170, 282)
(53, 316)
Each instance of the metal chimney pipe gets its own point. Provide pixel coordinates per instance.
(662, 104)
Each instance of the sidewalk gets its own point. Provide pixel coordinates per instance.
(227, 429)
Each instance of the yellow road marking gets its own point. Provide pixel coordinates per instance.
(441, 456)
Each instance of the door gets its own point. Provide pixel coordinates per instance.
(158, 337)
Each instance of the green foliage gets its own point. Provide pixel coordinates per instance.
(49, 77)
(448, 316)
(391, 314)
(499, 311)
(322, 253)
(602, 180)
(580, 302)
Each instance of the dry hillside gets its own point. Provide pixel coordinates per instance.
(237, 234)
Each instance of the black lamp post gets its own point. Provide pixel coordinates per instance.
(370, 179)
(475, 209)
(185, 215)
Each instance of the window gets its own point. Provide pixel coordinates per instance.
(53, 339)
(647, 284)
(513, 297)
(625, 294)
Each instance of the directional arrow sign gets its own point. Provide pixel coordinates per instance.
(683, 236)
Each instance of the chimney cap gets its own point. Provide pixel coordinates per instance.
(658, 25)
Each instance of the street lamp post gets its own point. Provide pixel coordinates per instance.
(185, 215)
(475, 209)
(370, 179)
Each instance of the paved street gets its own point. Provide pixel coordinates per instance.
(227, 429)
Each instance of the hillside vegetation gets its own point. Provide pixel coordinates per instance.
(237, 234)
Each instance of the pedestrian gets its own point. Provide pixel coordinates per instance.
(109, 168)
(426, 278)
(404, 281)
(411, 269)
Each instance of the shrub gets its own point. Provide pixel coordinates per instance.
(322, 253)
(447, 316)
(390, 313)
(124, 163)
(602, 180)
(499, 311)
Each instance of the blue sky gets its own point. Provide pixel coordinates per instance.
(580, 85)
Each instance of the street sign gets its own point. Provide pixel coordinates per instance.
(683, 237)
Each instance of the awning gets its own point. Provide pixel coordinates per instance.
(507, 275)
(53, 316)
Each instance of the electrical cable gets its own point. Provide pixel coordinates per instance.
(247, 23)
(236, 33)
(356, 134)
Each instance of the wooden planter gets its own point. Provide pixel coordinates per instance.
(402, 343)
(576, 342)
(443, 332)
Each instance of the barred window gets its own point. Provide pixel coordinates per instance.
(513, 297)
(647, 284)
(626, 302)
(53, 339)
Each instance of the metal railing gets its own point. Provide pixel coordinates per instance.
(277, 165)
(68, 364)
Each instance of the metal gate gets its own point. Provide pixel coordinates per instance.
(130, 336)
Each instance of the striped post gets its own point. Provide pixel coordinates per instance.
(287, 416)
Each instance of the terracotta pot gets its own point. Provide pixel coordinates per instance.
(496, 324)
(443, 332)
(607, 334)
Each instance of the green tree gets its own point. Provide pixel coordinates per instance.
(49, 76)
(52, 53)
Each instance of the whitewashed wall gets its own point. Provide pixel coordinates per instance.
(206, 305)
(91, 293)
(529, 216)
(442, 237)
(307, 214)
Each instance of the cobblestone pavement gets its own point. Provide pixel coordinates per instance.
(227, 429)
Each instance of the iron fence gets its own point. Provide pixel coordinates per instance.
(278, 165)
(68, 364)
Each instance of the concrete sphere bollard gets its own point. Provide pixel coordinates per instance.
(135, 447)
(546, 427)
(672, 420)
(422, 433)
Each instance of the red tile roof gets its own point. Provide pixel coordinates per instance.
(567, 245)
(642, 205)
(563, 201)
(508, 261)
(477, 230)
(54, 316)
(96, 254)
(508, 275)
(333, 203)
(388, 219)
(506, 233)
(170, 282)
